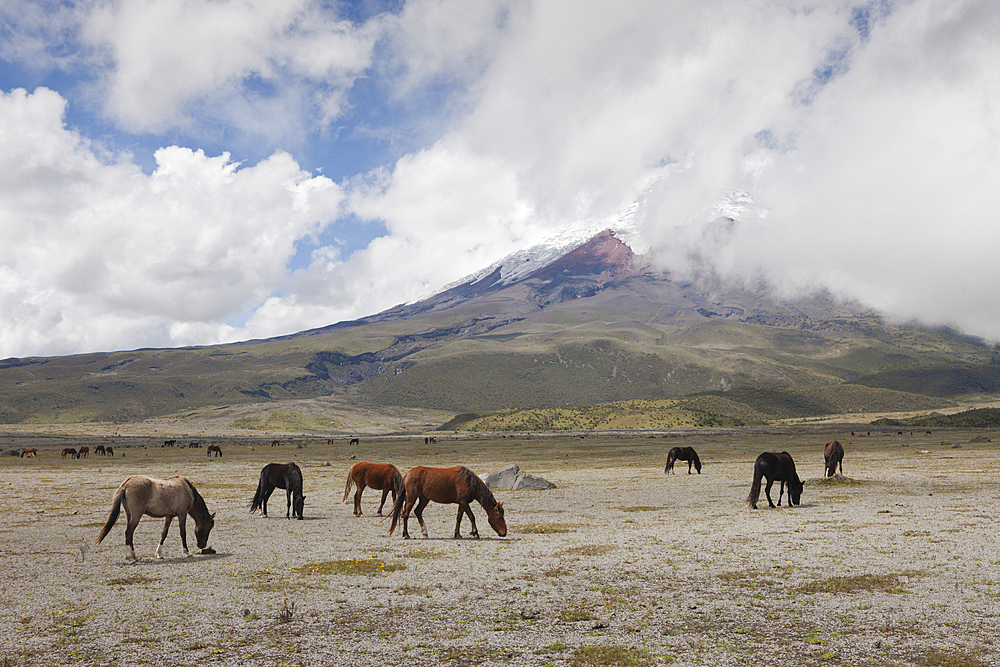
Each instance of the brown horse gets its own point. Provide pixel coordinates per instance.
(84, 451)
(171, 497)
(384, 477)
(446, 485)
(833, 455)
(213, 449)
(29, 452)
(69, 451)
(776, 468)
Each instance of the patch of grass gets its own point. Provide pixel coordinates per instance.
(557, 572)
(128, 581)
(950, 659)
(469, 655)
(368, 567)
(641, 508)
(409, 589)
(424, 553)
(546, 528)
(575, 615)
(588, 550)
(619, 656)
(861, 583)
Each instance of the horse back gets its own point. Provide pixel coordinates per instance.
(157, 497)
(441, 485)
(375, 475)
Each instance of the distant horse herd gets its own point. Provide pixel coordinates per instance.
(177, 497)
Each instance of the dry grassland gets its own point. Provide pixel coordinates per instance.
(619, 565)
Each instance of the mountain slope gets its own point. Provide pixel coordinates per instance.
(591, 323)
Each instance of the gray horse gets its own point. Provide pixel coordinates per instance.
(171, 497)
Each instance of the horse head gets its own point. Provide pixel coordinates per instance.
(202, 530)
(495, 516)
(795, 490)
(298, 503)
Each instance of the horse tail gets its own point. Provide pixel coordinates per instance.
(397, 507)
(397, 482)
(258, 498)
(116, 508)
(350, 483)
(758, 474)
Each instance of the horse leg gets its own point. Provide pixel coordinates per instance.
(419, 512)
(781, 491)
(767, 492)
(182, 524)
(163, 536)
(385, 494)
(268, 490)
(288, 501)
(129, 532)
(690, 463)
(464, 508)
(357, 499)
(406, 517)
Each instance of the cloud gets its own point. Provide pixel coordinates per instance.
(90, 242)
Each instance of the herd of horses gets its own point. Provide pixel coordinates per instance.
(73, 453)
(177, 497)
(771, 466)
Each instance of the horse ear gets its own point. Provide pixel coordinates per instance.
(213, 516)
(500, 504)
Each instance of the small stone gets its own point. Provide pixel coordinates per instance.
(529, 613)
(632, 627)
(597, 625)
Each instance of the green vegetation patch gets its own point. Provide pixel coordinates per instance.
(950, 659)
(620, 656)
(575, 615)
(282, 420)
(588, 550)
(861, 583)
(545, 528)
(976, 418)
(131, 580)
(368, 567)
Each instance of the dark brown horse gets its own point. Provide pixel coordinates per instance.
(100, 450)
(84, 452)
(69, 451)
(776, 468)
(446, 485)
(171, 497)
(285, 476)
(833, 455)
(213, 449)
(382, 476)
(682, 454)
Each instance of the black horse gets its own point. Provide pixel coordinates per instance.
(683, 454)
(776, 468)
(285, 476)
(833, 455)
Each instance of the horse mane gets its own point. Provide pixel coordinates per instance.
(479, 489)
(199, 502)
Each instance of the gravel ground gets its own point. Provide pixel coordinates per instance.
(621, 564)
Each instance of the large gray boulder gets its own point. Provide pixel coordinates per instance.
(511, 477)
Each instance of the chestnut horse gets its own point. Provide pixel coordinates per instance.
(213, 449)
(776, 468)
(833, 455)
(682, 454)
(171, 497)
(285, 476)
(384, 477)
(446, 485)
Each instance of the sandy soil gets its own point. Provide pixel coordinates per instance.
(899, 567)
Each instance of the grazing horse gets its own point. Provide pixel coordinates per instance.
(285, 476)
(171, 497)
(446, 485)
(29, 452)
(682, 454)
(384, 477)
(84, 452)
(275, 443)
(169, 443)
(110, 451)
(69, 451)
(354, 441)
(214, 449)
(833, 455)
(776, 468)
(194, 443)
(100, 450)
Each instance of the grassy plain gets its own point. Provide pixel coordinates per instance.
(619, 565)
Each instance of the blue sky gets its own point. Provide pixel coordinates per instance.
(179, 172)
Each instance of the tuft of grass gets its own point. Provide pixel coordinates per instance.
(642, 508)
(588, 550)
(618, 656)
(368, 567)
(950, 659)
(128, 581)
(861, 583)
(546, 528)
(575, 615)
